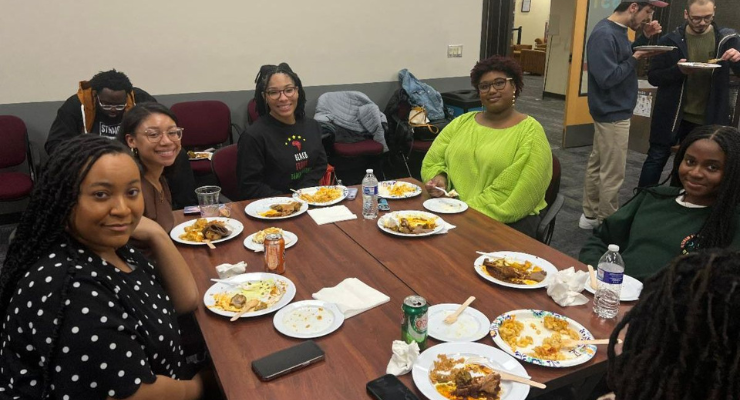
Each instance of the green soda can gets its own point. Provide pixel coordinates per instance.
(414, 325)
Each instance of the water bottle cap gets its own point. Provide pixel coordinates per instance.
(369, 171)
(614, 247)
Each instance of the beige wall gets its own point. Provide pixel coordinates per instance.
(559, 46)
(532, 22)
(193, 46)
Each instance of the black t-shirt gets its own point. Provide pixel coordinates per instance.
(274, 157)
(119, 329)
(105, 125)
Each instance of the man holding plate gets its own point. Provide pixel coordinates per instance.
(693, 83)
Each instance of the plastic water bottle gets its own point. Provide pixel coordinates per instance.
(369, 195)
(610, 275)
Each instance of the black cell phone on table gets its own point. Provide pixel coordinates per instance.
(287, 360)
(389, 387)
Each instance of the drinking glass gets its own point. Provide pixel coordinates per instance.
(208, 200)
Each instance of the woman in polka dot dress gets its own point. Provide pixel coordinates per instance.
(83, 314)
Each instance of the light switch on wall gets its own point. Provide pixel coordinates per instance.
(454, 50)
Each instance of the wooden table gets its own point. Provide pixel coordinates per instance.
(439, 268)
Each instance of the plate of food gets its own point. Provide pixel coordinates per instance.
(515, 270)
(411, 223)
(215, 229)
(699, 65)
(654, 48)
(260, 292)
(444, 205)
(470, 326)
(631, 289)
(540, 337)
(255, 241)
(397, 190)
(200, 155)
(308, 319)
(322, 195)
(276, 208)
(436, 370)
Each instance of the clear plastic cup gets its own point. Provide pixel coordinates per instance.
(208, 200)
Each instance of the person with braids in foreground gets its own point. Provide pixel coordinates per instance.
(282, 150)
(683, 335)
(660, 223)
(84, 315)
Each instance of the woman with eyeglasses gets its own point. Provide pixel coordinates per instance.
(498, 160)
(150, 130)
(282, 150)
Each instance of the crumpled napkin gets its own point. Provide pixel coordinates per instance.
(448, 226)
(403, 357)
(352, 296)
(227, 270)
(328, 215)
(567, 286)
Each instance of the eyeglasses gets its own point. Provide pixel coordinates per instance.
(697, 20)
(498, 84)
(275, 94)
(111, 107)
(154, 136)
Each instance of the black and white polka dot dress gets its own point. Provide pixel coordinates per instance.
(118, 329)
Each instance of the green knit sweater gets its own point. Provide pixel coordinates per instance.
(650, 231)
(502, 173)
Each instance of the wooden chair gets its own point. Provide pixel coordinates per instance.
(533, 61)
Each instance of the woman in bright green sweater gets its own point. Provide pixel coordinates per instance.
(661, 223)
(498, 160)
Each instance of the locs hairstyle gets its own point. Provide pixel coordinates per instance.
(263, 78)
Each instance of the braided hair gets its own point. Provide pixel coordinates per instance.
(683, 335)
(44, 221)
(719, 226)
(263, 78)
(112, 80)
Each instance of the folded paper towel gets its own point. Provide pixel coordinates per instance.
(567, 286)
(228, 270)
(328, 215)
(352, 296)
(403, 357)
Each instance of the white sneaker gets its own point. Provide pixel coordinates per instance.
(588, 223)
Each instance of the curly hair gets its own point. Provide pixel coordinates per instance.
(263, 78)
(507, 65)
(719, 226)
(683, 335)
(112, 80)
(44, 221)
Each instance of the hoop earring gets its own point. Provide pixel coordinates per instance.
(135, 152)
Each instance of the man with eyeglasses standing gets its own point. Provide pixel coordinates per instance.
(98, 108)
(689, 95)
(612, 96)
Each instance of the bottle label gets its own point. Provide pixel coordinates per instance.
(370, 190)
(611, 278)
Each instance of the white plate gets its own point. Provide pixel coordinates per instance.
(290, 240)
(500, 360)
(254, 208)
(470, 326)
(631, 289)
(204, 155)
(519, 257)
(398, 214)
(235, 226)
(308, 319)
(252, 276)
(654, 48)
(699, 65)
(385, 185)
(312, 190)
(577, 355)
(445, 205)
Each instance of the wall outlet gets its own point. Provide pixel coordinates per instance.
(454, 51)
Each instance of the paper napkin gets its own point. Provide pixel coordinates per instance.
(446, 228)
(328, 215)
(403, 357)
(226, 271)
(567, 286)
(352, 296)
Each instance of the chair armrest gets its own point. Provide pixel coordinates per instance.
(552, 211)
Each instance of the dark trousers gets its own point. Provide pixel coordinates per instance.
(658, 155)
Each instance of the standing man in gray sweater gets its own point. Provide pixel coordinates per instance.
(612, 95)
